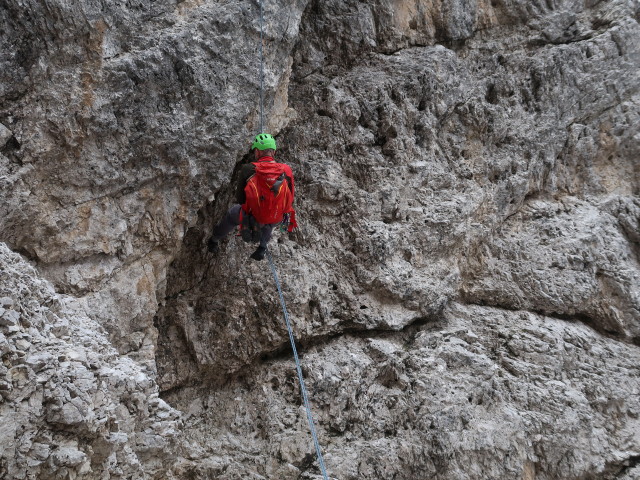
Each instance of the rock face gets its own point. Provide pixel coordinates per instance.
(71, 407)
(465, 284)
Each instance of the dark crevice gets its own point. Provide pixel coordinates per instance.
(11, 150)
(453, 45)
(306, 464)
(29, 255)
(12, 145)
(562, 40)
(162, 327)
(588, 321)
(284, 353)
(188, 383)
(627, 465)
(491, 95)
(194, 243)
(391, 52)
(188, 273)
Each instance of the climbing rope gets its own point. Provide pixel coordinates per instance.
(261, 68)
(299, 370)
(303, 389)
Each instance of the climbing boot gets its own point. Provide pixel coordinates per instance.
(213, 246)
(259, 253)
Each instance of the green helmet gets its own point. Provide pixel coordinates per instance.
(264, 141)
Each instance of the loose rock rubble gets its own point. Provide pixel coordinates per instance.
(71, 407)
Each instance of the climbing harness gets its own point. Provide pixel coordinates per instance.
(299, 369)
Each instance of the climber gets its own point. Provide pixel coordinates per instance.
(264, 196)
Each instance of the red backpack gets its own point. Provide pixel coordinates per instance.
(268, 196)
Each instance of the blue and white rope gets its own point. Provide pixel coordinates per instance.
(299, 370)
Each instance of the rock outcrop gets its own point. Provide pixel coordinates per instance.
(71, 406)
(465, 284)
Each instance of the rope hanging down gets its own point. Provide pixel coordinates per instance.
(299, 370)
(275, 275)
(261, 69)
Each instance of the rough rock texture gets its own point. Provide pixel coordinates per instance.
(71, 407)
(481, 393)
(465, 282)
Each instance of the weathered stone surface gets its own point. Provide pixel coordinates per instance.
(5, 135)
(465, 284)
(435, 401)
(568, 253)
(62, 404)
(9, 318)
(98, 189)
(414, 162)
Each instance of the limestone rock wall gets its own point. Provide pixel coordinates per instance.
(71, 406)
(481, 393)
(465, 284)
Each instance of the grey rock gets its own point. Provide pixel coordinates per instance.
(67, 457)
(6, 301)
(5, 346)
(561, 242)
(40, 361)
(5, 135)
(53, 390)
(9, 318)
(19, 385)
(23, 344)
(464, 285)
(67, 414)
(630, 473)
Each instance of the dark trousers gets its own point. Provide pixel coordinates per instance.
(232, 220)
